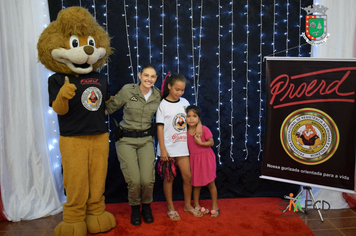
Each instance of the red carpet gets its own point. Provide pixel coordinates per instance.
(241, 216)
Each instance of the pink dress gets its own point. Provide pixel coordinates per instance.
(202, 160)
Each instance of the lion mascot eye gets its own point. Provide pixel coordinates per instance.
(91, 41)
(74, 41)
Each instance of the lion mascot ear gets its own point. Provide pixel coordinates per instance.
(74, 47)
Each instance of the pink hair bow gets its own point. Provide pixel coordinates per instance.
(162, 86)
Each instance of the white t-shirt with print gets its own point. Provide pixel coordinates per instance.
(173, 115)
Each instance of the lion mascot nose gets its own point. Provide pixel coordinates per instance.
(88, 50)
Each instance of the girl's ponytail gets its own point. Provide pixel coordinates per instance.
(164, 87)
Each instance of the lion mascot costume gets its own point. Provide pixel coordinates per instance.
(74, 47)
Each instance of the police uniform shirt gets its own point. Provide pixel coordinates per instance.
(86, 114)
(172, 115)
(138, 112)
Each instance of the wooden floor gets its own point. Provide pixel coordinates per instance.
(336, 223)
(339, 222)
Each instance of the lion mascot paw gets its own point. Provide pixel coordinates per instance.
(74, 47)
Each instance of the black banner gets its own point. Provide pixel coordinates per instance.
(310, 122)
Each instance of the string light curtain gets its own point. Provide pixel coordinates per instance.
(219, 46)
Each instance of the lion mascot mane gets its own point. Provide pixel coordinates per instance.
(74, 47)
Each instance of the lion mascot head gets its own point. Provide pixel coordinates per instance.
(74, 44)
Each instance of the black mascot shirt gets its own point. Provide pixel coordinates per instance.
(86, 113)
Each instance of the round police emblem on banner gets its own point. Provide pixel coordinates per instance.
(91, 98)
(309, 136)
(179, 122)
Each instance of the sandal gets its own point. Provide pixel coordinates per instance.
(215, 213)
(173, 215)
(195, 212)
(203, 210)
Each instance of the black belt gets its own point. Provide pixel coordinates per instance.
(136, 133)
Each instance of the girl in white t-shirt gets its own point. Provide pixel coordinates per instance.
(172, 139)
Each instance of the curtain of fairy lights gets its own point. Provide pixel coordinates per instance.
(196, 66)
(219, 46)
(136, 36)
(274, 28)
(218, 147)
(106, 65)
(299, 28)
(247, 81)
(193, 48)
(199, 51)
(259, 142)
(177, 34)
(162, 34)
(128, 41)
(149, 29)
(287, 26)
(231, 90)
(94, 8)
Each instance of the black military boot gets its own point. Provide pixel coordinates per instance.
(135, 215)
(147, 213)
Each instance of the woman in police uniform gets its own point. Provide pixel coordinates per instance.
(135, 146)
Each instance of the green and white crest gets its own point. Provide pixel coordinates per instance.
(316, 24)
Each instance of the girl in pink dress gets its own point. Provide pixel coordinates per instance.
(202, 161)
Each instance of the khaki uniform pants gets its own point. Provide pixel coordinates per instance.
(136, 156)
